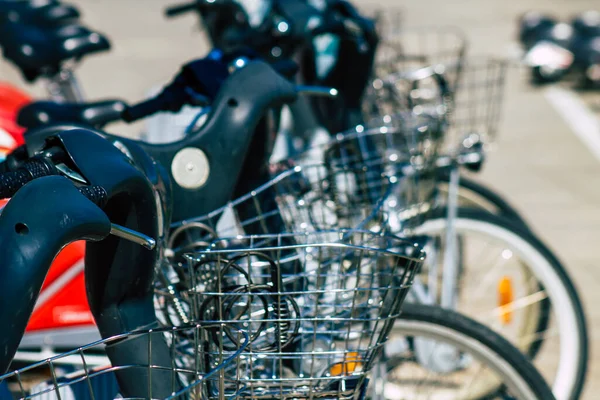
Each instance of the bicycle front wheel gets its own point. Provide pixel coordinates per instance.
(434, 353)
(511, 282)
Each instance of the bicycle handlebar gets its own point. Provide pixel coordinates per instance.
(145, 109)
(178, 9)
(12, 181)
(127, 190)
(192, 87)
(33, 235)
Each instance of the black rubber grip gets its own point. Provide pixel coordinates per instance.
(96, 194)
(174, 11)
(143, 109)
(11, 182)
(38, 168)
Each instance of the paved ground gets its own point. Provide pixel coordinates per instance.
(541, 165)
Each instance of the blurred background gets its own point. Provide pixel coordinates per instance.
(547, 158)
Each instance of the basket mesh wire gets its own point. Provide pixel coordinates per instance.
(196, 367)
(470, 107)
(318, 307)
(478, 99)
(413, 49)
(424, 92)
(301, 198)
(400, 148)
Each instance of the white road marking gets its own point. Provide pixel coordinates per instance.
(582, 121)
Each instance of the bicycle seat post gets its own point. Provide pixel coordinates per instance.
(64, 87)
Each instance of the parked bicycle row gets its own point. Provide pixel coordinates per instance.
(315, 231)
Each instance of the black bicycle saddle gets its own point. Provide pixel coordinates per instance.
(96, 114)
(37, 51)
(40, 13)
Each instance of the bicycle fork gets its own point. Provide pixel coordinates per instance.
(450, 267)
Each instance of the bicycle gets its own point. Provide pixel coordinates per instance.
(43, 29)
(97, 114)
(544, 289)
(475, 112)
(22, 227)
(304, 201)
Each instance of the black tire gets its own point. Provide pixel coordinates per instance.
(567, 283)
(500, 204)
(482, 334)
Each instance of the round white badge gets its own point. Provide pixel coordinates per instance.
(190, 168)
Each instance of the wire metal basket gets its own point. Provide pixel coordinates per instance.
(318, 307)
(412, 49)
(300, 199)
(423, 91)
(400, 148)
(196, 367)
(478, 99)
(297, 199)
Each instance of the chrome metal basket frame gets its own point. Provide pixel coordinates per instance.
(197, 366)
(402, 148)
(301, 198)
(477, 100)
(415, 48)
(318, 307)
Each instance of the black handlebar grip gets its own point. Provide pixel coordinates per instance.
(96, 194)
(11, 182)
(39, 167)
(143, 109)
(174, 11)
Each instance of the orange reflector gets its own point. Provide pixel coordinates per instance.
(348, 366)
(505, 299)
